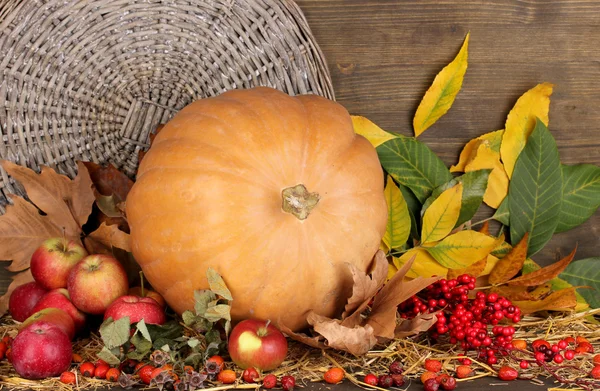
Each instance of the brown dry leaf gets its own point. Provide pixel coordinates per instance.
(541, 291)
(50, 192)
(356, 340)
(82, 196)
(109, 180)
(364, 288)
(22, 230)
(561, 300)
(420, 323)
(475, 269)
(384, 311)
(511, 264)
(512, 293)
(315, 342)
(109, 236)
(17, 279)
(544, 274)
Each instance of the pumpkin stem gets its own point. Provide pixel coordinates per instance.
(299, 201)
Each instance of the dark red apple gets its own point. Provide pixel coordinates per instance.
(257, 343)
(55, 316)
(59, 298)
(136, 308)
(53, 260)
(41, 350)
(23, 299)
(95, 282)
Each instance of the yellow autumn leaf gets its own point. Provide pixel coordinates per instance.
(462, 249)
(486, 158)
(391, 271)
(469, 151)
(370, 131)
(423, 266)
(439, 97)
(521, 121)
(441, 216)
(399, 223)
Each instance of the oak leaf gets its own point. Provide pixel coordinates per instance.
(109, 236)
(561, 300)
(511, 264)
(356, 340)
(316, 341)
(420, 323)
(544, 274)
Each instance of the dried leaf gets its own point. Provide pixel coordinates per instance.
(561, 300)
(424, 264)
(110, 236)
(420, 323)
(216, 312)
(17, 280)
(217, 284)
(521, 121)
(399, 222)
(441, 216)
(22, 231)
(512, 293)
(511, 264)
(439, 97)
(475, 269)
(82, 196)
(544, 274)
(50, 192)
(384, 310)
(108, 206)
(370, 131)
(315, 342)
(356, 340)
(462, 249)
(109, 180)
(364, 288)
(538, 292)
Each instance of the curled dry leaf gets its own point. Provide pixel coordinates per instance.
(544, 274)
(109, 236)
(561, 300)
(315, 342)
(356, 340)
(420, 323)
(511, 263)
(108, 180)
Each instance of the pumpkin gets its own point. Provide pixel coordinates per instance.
(276, 193)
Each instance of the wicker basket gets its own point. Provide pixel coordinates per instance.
(91, 79)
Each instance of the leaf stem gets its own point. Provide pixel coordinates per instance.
(482, 221)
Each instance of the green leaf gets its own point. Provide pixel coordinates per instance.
(217, 284)
(412, 164)
(143, 329)
(414, 208)
(585, 272)
(193, 342)
(217, 312)
(108, 356)
(201, 298)
(399, 222)
(115, 333)
(188, 317)
(535, 190)
(142, 345)
(462, 249)
(581, 195)
(137, 354)
(169, 330)
(502, 214)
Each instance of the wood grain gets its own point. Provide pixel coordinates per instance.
(383, 55)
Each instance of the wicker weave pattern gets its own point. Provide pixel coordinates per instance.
(90, 79)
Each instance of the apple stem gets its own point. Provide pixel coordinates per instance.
(142, 283)
(268, 323)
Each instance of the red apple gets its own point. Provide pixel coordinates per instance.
(137, 308)
(59, 298)
(23, 299)
(41, 350)
(257, 343)
(53, 260)
(95, 282)
(55, 316)
(137, 291)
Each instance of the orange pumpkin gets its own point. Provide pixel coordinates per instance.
(276, 193)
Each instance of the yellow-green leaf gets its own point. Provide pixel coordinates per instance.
(423, 266)
(370, 131)
(398, 225)
(521, 121)
(439, 97)
(462, 249)
(486, 158)
(441, 216)
(493, 140)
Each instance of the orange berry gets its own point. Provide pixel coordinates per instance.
(595, 372)
(145, 373)
(334, 375)
(227, 376)
(250, 375)
(433, 365)
(188, 369)
(520, 344)
(428, 375)
(87, 369)
(597, 359)
(218, 360)
(584, 347)
(113, 374)
(581, 339)
(67, 378)
(464, 371)
(76, 358)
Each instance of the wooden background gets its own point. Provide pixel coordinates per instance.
(383, 55)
